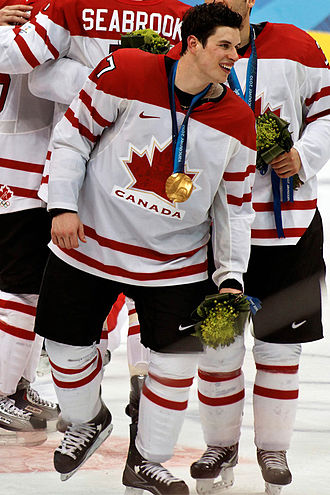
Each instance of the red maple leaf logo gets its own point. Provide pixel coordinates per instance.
(151, 170)
(5, 193)
(258, 109)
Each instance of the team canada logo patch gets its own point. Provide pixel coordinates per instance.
(148, 169)
(5, 196)
(261, 107)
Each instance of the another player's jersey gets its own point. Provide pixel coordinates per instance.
(135, 233)
(293, 74)
(25, 126)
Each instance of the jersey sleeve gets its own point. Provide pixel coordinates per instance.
(59, 80)
(25, 47)
(314, 143)
(91, 112)
(232, 210)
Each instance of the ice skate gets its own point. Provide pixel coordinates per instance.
(132, 409)
(18, 427)
(216, 461)
(80, 442)
(30, 401)
(141, 475)
(274, 469)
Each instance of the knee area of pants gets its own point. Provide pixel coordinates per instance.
(69, 356)
(276, 354)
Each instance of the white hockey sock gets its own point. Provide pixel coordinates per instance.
(275, 394)
(77, 373)
(138, 356)
(163, 404)
(221, 393)
(19, 346)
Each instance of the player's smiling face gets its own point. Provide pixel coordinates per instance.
(218, 56)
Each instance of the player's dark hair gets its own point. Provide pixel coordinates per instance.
(202, 21)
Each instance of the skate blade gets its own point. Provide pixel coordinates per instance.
(22, 438)
(209, 487)
(101, 438)
(271, 489)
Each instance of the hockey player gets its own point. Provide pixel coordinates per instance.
(138, 239)
(25, 228)
(292, 80)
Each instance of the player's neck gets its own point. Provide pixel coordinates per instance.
(245, 32)
(188, 79)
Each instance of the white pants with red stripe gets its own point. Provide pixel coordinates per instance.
(77, 374)
(20, 347)
(275, 393)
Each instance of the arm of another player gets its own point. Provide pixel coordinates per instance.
(59, 80)
(14, 14)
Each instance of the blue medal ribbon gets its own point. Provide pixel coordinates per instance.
(249, 97)
(179, 137)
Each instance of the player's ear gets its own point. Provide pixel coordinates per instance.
(193, 43)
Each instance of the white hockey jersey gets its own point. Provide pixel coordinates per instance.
(293, 81)
(135, 234)
(25, 127)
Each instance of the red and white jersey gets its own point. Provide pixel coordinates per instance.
(293, 81)
(112, 156)
(25, 127)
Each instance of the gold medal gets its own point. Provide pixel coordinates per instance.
(178, 187)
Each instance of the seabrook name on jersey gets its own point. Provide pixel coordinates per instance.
(127, 20)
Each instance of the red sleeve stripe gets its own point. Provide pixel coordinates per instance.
(239, 176)
(296, 205)
(276, 394)
(81, 128)
(218, 377)
(167, 404)
(136, 250)
(83, 381)
(17, 332)
(133, 330)
(25, 193)
(112, 317)
(87, 100)
(70, 371)
(136, 276)
(17, 306)
(25, 50)
(171, 382)
(221, 401)
(43, 34)
(234, 200)
(24, 166)
(324, 92)
(45, 179)
(308, 120)
(272, 233)
(269, 368)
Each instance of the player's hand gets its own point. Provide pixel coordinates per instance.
(15, 14)
(229, 291)
(287, 164)
(67, 230)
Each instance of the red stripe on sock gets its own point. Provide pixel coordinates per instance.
(270, 368)
(17, 306)
(83, 381)
(221, 401)
(17, 332)
(133, 330)
(218, 377)
(168, 404)
(66, 371)
(171, 382)
(275, 394)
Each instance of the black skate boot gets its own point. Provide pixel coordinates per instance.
(29, 400)
(18, 427)
(275, 470)
(132, 409)
(140, 474)
(216, 461)
(80, 441)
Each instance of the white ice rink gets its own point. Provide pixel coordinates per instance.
(29, 471)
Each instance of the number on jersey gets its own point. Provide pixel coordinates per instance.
(4, 87)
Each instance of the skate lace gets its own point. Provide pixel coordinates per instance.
(213, 454)
(8, 406)
(36, 399)
(158, 472)
(274, 459)
(75, 438)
